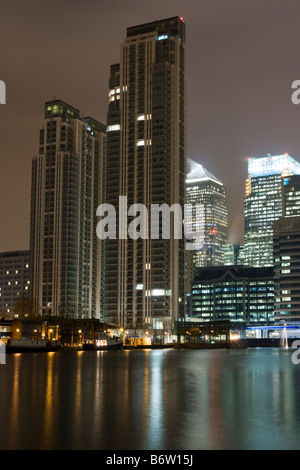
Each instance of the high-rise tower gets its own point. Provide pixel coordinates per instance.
(65, 251)
(263, 205)
(146, 163)
(204, 188)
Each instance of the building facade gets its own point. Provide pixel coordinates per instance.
(263, 205)
(14, 283)
(146, 164)
(205, 189)
(287, 270)
(236, 293)
(232, 254)
(66, 191)
(290, 195)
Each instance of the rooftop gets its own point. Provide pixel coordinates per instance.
(173, 26)
(273, 165)
(199, 173)
(236, 272)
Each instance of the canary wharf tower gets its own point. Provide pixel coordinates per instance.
(145, 163)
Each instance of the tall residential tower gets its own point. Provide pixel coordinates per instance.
(65, 251)
(146, 164)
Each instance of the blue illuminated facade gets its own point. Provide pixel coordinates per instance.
(273, 165)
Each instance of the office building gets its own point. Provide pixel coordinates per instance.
(203, 188)
(232, 254)
(287, 270)
(146, 164)
(65, 251)
(14, 283)
(263, 205)
(234, 293)
(290, 195)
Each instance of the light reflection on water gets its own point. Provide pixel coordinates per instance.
(151, 399)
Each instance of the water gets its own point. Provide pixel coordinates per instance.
(151, 399)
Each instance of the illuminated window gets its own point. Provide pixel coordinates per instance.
(142, 117)
(157, 292)
(114, 127)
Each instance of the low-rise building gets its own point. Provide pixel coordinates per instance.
(234, 293)
(14, 282)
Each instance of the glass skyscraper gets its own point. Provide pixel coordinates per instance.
(232, 252)
(263, 205)
(66, 191)
(202, 187)
(143, 281)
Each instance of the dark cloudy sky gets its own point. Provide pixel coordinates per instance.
(242, 57)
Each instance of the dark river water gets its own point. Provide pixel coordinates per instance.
(151, 400)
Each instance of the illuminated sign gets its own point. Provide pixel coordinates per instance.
(2, 92)
(2, 352)
(273, 165)
(163, 36)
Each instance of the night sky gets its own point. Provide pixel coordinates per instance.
(242, 57)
